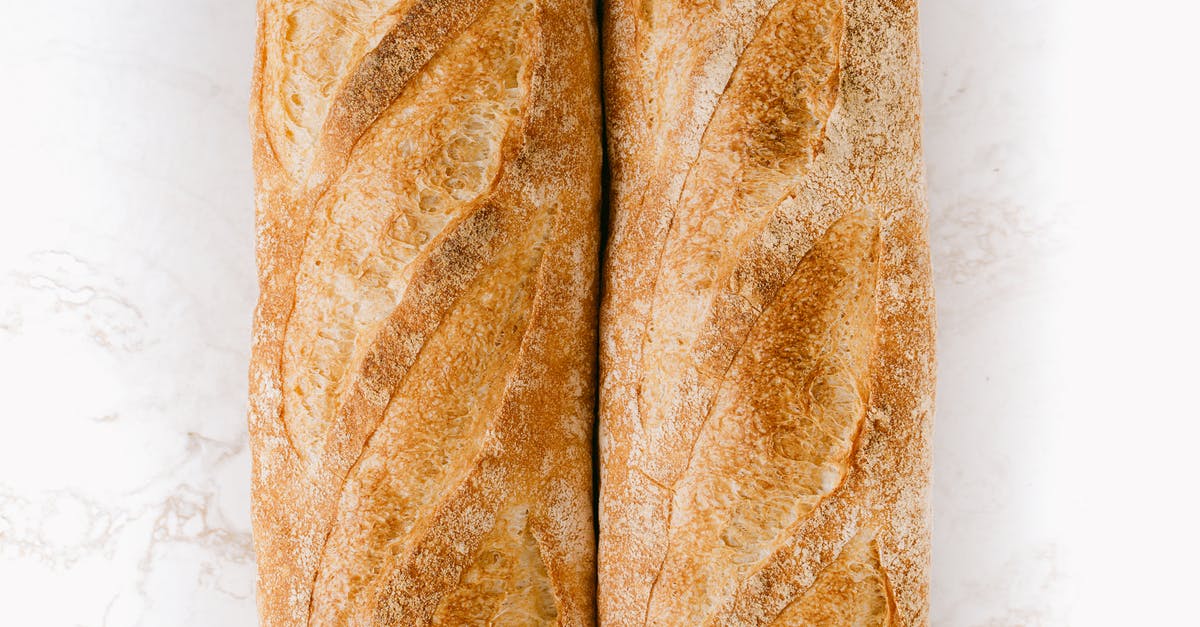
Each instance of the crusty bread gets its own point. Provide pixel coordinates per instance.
(422, 374)
(767, 322)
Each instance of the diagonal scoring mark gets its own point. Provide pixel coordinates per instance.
(378, 80)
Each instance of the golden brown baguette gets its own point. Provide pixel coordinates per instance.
(422, 372)
(767, 325)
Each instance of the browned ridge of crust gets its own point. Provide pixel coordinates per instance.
(767, 327)
(422, 371)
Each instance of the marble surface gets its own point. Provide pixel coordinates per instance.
(1061, 148)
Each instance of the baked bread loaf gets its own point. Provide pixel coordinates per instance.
(422, 376)
(767, 321)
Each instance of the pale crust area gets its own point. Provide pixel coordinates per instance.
(422, 373)
(766, 348)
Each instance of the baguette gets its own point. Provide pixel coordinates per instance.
(422, 373)
(767, 323)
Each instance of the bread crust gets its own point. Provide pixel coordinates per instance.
(422, 372)
(766, 358)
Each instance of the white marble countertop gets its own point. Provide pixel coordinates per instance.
(1061, 144)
